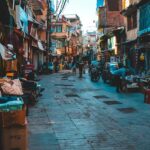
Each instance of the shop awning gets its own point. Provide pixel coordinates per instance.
(6, 54)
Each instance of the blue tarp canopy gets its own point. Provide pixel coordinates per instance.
(120, 72)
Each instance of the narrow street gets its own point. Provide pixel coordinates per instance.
(77, 114)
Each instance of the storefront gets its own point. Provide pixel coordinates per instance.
(37, 54)
(144, 33)
(144, 48)
(130, 55)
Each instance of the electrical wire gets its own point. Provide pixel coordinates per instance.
(58, 6)
(62, 8)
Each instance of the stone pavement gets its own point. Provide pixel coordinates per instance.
(77, 114)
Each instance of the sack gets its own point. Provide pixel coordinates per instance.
(12, 87)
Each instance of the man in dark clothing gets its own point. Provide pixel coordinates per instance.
(119, 74)
(81, 64)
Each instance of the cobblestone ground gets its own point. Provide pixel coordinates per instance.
(77, 114)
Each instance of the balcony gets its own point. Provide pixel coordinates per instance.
(109, 19)
(61, 35)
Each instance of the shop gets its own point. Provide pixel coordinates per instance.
(131, 55)
(144, 32)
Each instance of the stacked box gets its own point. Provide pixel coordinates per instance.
(13, 118)
(14, 138)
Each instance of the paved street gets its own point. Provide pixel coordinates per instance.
(77, 114)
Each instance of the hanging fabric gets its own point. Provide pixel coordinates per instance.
(6, 54)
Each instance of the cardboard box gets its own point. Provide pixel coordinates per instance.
(14, 138)
(13, 118)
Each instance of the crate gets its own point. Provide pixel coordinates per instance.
(13, 118)
(14, 138)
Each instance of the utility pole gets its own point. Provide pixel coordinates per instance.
(48, 33)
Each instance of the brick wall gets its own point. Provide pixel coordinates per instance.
(114, 19)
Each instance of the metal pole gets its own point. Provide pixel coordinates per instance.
(50, 25)
(48, 33)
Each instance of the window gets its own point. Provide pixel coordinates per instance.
(144, 18)
(111, 43)
(59, 28)
(132, 21)
(113, 5)
(59, 44)
(52, 29)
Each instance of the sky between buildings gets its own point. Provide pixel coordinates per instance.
(86, 10)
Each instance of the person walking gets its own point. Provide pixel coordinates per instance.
(74, 67)
(81, 65)
(119, 75)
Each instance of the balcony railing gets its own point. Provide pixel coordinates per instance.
(61, 35)
(109, 19)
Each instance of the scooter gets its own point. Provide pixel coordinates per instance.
(95, 74)
(31, 88)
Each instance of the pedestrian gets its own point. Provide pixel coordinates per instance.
(119, 75)
(56, 65)
(81, 65)
(74, 67)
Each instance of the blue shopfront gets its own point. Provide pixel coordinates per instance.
(144, 32)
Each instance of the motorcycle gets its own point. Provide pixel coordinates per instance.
(95, 74)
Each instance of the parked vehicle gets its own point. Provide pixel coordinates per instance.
(95, 74)
(30, 90)
(95, 64)
(95, 71)
(107, 73)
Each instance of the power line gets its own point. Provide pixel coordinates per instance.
(62, 8)
(58, 6)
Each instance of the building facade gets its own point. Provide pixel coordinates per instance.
(125, 33)
(144, 32)
(25, 29)
(74, 41)
(111, 25)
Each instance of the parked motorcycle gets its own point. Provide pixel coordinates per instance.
(95, 74)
